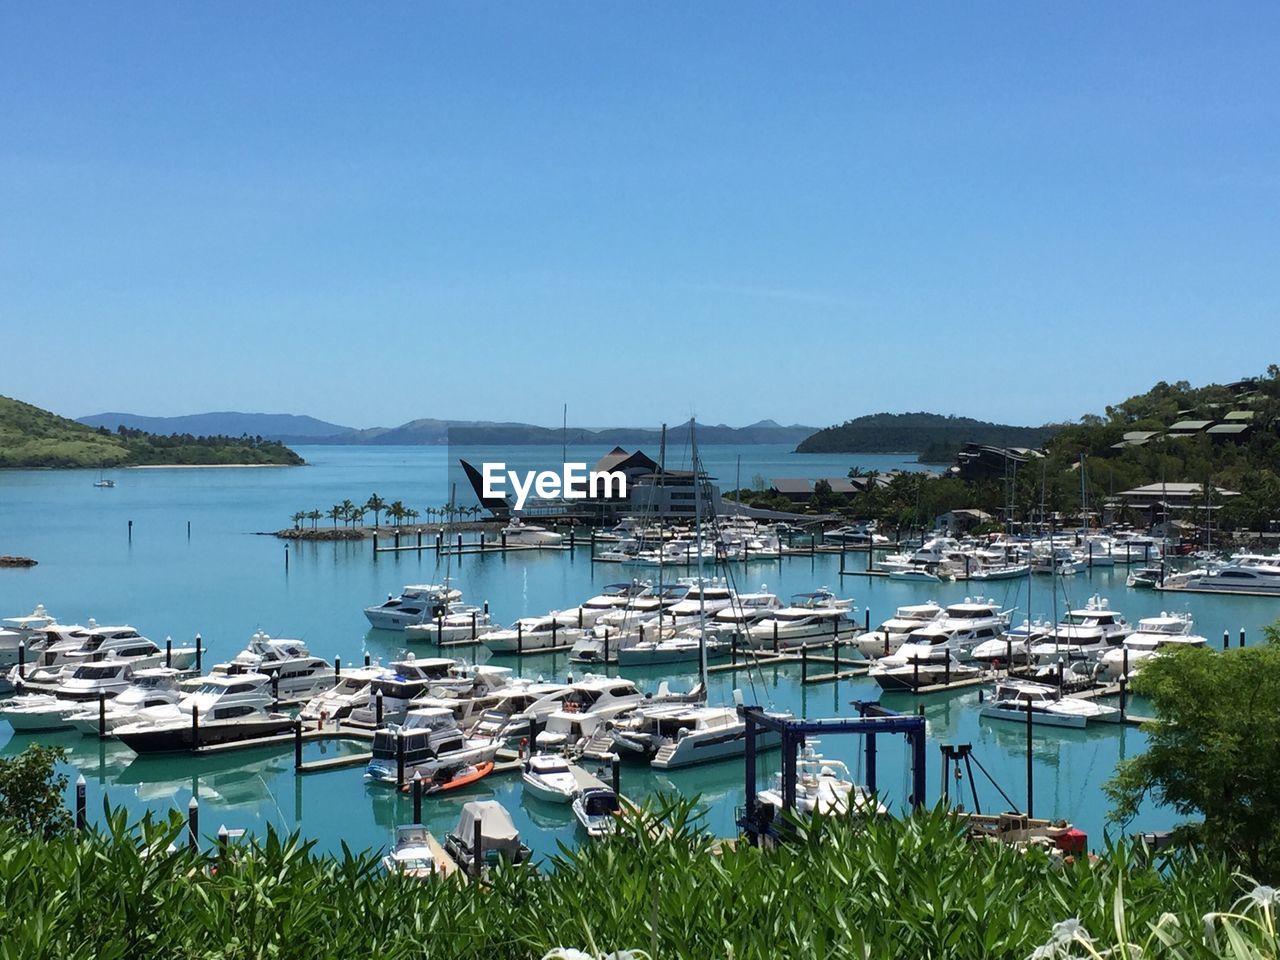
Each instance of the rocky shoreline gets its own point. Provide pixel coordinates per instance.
(8, 561)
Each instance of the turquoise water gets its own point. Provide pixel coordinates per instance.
(225, 581)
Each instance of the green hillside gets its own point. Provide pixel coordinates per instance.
(934, 437)
(32, 437)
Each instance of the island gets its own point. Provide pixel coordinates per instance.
(32, 437)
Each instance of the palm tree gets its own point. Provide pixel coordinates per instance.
(377, 505)
(297, 518)
(412, 514)
(356, 514)
(335, 514)
(314, 516)
(397, 512)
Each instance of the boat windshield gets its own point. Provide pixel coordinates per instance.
(96, 673)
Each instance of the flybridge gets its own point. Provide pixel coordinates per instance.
(573, 482)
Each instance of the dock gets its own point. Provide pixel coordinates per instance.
(336, 731)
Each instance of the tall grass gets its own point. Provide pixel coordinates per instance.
(909, 888)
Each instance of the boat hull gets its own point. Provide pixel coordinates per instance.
(175, 739)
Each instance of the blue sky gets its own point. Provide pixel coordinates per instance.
(375, 212)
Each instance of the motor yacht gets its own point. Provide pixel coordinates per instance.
(1153, 635)
(889, 637)
(22, 630)
(96, 643)
(1144, 578)
(519, 533)
(1135, 548)
(643, 608)
(814, 617)
(549, 777)
(746, 609)
(294, 674)
(612, 597)
(684, 647)
(705, 597)
(1245, 573)
(1014, 646)
(429, 741)
(349, 693)
(522, 702)
(417, 603)
(1083, 634)
(226, 708)
(149, 688)
(532, 634)
(398, 685)
(584, 710)
(682, 735)
(455, 623)
(1013, 699)
(923, 668)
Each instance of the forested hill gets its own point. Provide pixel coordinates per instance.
(935, 437)
(32, 437)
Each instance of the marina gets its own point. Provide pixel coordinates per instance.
(320, 596)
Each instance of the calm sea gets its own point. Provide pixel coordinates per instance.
(224, 581)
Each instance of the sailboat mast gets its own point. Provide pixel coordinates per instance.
(702, 591)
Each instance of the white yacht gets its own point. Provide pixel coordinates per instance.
(293, 672)
(452, 623)
(823, 786)
(682, 735)
(1061, 561)
(1083, 635)
(227, 708)
(591, 702)
(400, 683)
(351, 692)
(95, 643)
(532, 634)
(746, 609)
(958, 630)
(1014, 646)
(1014, 698)
(548, 777)
(430, 742)
(1135, 548)
(1153, 635)
(22, 630)
(50, 710)
(417, 603)
(612, 597)
(814, 617)
(517, 532)
(925, 667)
(643, 608)
(705, 597)
(523, 700)
(1246, 573)
(684, 647)
(889, 637)
(150, 688)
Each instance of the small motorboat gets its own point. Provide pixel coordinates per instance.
(549, 777)
(597, 810)
(412, 853)
(489, 823)
(1017, 699)
(457, 777)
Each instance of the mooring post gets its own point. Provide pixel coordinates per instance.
(22, 659)
(419, 539)
(399, 759)
(473, 626)
(1030, 771)
(804, 663)
(366, 658)
(102, 716)
(131, 531)
(195, 727)
(193, 823)
(297, 745)
(477, 848)
(519, 639)
(286, 558)
(915, 675)
(80, 803)
(199, 652)
(555, 632)
(1061, 674)
(337, 670)
(417, 796)
(377, 710)
(615, 764)
(1226, 639)
(395, 538)
(224, 837)
(275, 691)
(168, 651)
(775, 636)
(835, 659)
(1124, 695)
(946, 671)
(1124, 656)
(439, 629)
(1242, 636)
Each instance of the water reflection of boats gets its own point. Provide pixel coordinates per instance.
(226, 778)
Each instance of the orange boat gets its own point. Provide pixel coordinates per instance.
(454, 779)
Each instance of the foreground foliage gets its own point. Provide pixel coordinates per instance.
(908, 889)
(1215, 752)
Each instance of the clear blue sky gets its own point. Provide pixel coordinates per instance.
(374, 212)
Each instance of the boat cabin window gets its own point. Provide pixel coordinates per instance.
(97, 672)
(229, 713)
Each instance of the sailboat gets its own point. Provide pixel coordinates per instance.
(103, 481)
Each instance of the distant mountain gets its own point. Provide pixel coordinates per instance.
(288, 428)
(32, 437)
(285, 427)
(935, 437)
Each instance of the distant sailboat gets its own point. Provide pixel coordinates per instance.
(103, 481)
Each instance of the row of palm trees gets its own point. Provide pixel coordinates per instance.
(351, 514)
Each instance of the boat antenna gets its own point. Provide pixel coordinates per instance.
(702, 583)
